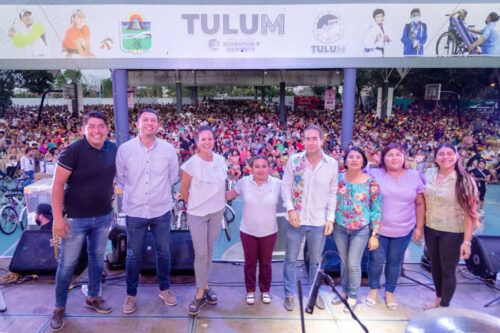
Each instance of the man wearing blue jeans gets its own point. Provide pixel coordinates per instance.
(82, 193)
(309, 192)
(146, 170)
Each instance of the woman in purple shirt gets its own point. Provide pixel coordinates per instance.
(403, 212)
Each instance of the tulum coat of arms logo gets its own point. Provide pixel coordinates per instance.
(136, 34)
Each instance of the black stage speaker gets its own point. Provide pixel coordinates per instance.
(484, 260)
(181, 253)
(34, 255)
(332, 261)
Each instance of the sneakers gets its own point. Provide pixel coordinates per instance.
(250, 298)
(129, 305)
(196, 305)
(288, 303)
(168, 297)
(320, 304)
(352, 304)
(57, 321)
(266, 298)
(97, 304)
(210, 296)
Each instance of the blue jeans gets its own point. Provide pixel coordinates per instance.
(95, 231)
(137, 228)
(315, 244)
(29, 176)
(391, 252)
(351, 244)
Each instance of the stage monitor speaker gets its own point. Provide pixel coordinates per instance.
(34, 255)
(484, 260)
(181, 253)
(332, 261)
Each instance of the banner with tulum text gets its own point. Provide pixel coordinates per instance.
(224, 36)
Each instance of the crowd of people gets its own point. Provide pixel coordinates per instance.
(370, 195)
(246, 128)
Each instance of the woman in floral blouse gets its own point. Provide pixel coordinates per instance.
(357, 220)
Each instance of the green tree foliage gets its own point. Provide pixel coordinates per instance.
(37, 81)
(107, 88)
(9, 80)
(67, 76)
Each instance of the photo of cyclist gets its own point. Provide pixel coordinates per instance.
(489, 39)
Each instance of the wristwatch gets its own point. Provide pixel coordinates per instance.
(375, 233)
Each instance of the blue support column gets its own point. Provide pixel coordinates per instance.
(120, 105)
(178, 95)
(194, 95)
(348, 111)
(282, 103)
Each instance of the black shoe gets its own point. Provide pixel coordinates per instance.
(211, 296)
(196, 305)
(57, 321)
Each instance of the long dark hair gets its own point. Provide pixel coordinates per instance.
(465, 187)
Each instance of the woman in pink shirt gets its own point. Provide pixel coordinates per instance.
(403, 211)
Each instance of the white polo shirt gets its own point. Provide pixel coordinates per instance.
(259, 205)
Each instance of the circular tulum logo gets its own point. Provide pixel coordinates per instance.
(328, 27)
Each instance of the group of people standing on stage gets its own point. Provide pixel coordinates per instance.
(381, 209)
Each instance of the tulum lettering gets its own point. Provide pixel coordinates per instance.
(248, 24)
(328, 49)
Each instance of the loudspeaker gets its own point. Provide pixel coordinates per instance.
(34, 255)
(332, 261)
(484, 260)
(181, 253)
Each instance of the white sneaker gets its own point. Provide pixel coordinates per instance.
(250, 299)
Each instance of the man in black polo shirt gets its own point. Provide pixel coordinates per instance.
(82, 192)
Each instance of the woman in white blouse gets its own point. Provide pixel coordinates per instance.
(203, 186)
(258, 230)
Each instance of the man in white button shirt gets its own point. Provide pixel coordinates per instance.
(309, 192)
(146, 170)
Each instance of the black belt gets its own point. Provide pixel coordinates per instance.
(376, 48)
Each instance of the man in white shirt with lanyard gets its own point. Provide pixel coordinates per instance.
(309, 192)
(146, 170)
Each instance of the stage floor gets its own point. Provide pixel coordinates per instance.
(30, 306)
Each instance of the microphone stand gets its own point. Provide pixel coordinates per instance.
(403, 274)
(328, 279)
(301, 306)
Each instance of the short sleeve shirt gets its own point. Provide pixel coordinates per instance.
(208, 185)
(89, 189)
(259, 205)
(442, 210)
